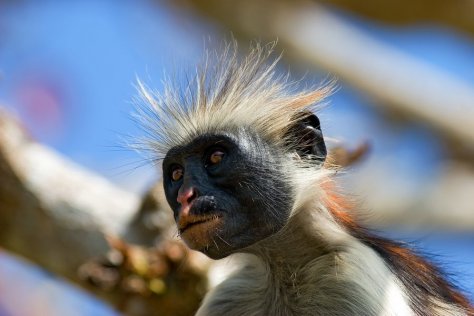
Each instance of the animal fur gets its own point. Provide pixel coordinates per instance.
(322, 262)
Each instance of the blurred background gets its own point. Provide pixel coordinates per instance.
(68, 71)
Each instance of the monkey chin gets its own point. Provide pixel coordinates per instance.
(203, 236)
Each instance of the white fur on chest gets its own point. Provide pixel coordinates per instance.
(353, 281)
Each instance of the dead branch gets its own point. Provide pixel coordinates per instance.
(57, 214)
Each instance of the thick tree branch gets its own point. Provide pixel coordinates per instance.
(58, 215)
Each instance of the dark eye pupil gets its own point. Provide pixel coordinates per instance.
(177, 174)
(216, 157)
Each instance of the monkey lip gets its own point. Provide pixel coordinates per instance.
(192, 221)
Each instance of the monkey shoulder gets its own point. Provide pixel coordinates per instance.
(352, 280)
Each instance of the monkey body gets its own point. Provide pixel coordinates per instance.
(244, 172)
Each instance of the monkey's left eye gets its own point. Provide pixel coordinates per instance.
(177, 173)
(216, 157)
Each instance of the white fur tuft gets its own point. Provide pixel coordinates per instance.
(225, 93)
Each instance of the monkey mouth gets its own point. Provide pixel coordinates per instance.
(198, 232)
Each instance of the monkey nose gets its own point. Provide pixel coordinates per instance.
(186, 197)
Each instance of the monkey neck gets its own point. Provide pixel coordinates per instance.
(319, 238)
(301, 241)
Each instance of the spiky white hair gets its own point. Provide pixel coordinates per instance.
(226, 93)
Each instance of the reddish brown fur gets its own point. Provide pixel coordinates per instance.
(421, 278)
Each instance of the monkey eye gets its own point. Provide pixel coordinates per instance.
(216, 157)
(177, 173)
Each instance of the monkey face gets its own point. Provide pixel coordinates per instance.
(227, 191)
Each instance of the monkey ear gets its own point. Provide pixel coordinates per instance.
(307, 139)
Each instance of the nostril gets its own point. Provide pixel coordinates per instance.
(193, 195)
(186, 196)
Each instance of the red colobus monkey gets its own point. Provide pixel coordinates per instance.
(243, 171)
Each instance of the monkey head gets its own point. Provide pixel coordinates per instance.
(240, 149)
(230, 189)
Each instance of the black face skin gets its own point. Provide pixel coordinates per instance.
(223, 207)
(244, 190)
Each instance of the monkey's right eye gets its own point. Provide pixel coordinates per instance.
(177, 173)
